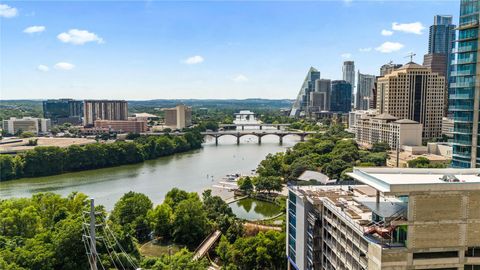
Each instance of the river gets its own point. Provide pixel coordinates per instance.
(154, 178)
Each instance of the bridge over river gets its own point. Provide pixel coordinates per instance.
(239, 134)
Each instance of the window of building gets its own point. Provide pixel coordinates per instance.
(435, 255)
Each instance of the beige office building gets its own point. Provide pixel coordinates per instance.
(398, 219)
(389, 129)
(27, 124)
(104, 110)
(178, 117)
(413, 92)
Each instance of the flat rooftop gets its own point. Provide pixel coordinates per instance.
(355, 205)
(406, 180)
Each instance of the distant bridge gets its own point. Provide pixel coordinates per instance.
(239, 134)
(261, 125)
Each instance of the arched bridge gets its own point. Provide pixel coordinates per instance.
(260, 125)
(239, 134)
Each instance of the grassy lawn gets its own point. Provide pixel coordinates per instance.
(157, 248)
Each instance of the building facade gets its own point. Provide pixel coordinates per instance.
(365, 87)
(348, 72)
(61, 111)
(341, 96)
(464, 99)
(27, 124)
(303, 98)
(104, 110)
(441, 40)
(122, 126)
(413, 92)
(388, 129)
(320, 98)
(178, 117)
(397, 219)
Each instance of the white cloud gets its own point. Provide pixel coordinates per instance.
(7, 11)
(386, 32)
(346, 55)
(43, 68)
(388, 47)
(34, 29)
(240, 78)
(64, 66)
(412, 28)
(197, 59)
(79, 37)
(365, 49)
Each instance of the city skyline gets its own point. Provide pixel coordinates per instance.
(165, 50)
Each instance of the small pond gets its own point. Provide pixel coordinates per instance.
(252, 209)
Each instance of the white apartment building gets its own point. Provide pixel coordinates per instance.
(27, 124)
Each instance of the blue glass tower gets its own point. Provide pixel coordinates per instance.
(341, 96)
(465, 88)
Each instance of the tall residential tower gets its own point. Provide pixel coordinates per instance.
(464, 99)
(348, 71)
(366, 84)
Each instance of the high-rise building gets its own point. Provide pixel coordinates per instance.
(320, 98)
(413, 92)
(397, 219)
(348, 71)
(61, 111)
(441, 40)
(388, 68)
(104, 110)
(366, 84)
(27, 124)
(464, 90)
(437, 62)
(178, 117)
(303, 98)
(341, 96)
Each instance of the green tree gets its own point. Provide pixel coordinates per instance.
(245, 184)
(161, 219)
(380, 147)
(130, 212)
(190, 224)
(269, 184)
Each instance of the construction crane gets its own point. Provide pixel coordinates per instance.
(411, 55)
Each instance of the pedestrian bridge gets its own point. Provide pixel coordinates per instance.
(260, 125)
(206, 245)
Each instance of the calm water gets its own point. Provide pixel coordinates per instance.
(252, 209)
(155, 178)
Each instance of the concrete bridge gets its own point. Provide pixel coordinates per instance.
(239, 134)
(260, 125)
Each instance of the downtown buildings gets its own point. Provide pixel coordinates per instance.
(365, 88)
(320, 97)
(397, 219)
(348, 72)
(464, 99)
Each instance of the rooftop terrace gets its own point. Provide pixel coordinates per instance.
(406, 180)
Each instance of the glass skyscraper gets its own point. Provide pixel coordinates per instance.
(341, 96)
(303, 98)
(465, 89)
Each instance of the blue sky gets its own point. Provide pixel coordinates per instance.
(197, 49)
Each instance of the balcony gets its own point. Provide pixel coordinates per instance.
(459, 108)
(463, 119)
(462, 84)
(470, 60)
(462, 131)
(464, 49)
(462, 142)
(460, 96)
(462, 73)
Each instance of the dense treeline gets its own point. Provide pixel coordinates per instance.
(50, 160)
(333, 153)
(46, 231)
